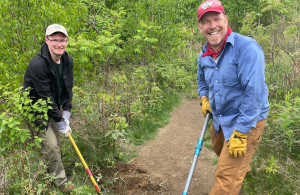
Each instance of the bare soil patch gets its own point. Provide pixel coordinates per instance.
(163, 164)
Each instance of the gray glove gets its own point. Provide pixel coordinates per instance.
(66, 115)
(63, 127)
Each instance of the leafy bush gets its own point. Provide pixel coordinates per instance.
(20, 146)
(18, 128)
(277, 159)
(127, 98)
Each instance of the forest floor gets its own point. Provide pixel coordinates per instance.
(163, 164)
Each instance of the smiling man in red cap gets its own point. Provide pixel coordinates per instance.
(50, 75)
(231, 85)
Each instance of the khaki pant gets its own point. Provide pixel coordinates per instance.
(51, 151)
(231, 171)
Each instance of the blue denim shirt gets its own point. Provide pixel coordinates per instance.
(235, 85)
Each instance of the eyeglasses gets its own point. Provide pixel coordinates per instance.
(57, 41)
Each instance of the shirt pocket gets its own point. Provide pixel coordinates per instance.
(229, 75)
(209, 74)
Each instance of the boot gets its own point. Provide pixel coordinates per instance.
(67, 187)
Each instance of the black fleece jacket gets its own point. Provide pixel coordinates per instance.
(40, 76)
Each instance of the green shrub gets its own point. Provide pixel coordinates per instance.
(277, 158)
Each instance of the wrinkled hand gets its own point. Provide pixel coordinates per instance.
(237, 144)
(205, 106)
(63, 127)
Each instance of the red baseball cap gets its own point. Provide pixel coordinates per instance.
(209, 5)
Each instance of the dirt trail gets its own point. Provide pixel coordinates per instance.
(163, 164)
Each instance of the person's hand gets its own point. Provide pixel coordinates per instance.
(68, 130)
(66, 116)
(205, 106)
(63, 127)
(237, 144)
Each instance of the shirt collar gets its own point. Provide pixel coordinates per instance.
(230, 39)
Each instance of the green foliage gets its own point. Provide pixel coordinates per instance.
(215, 161)
(272, 167)
(121, 32)
(146, 128)
(284, 125)
(20, 145)
(207, 137)
(24, 172)
(278, 42)
(237, 10)
(17, 120)
(126, 108)
(277, 159)
(132, 62)
(208, 145)
(23, 25)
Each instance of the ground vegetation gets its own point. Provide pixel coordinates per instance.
(133, 62)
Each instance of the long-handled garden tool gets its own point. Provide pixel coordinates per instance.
(84, 164)
(197, 151)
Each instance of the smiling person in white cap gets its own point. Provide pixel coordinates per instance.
(50, 75)
(231, 85)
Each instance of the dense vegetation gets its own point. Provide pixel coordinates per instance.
(132, 63)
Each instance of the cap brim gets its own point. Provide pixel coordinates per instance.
(211, 10)
(50, 33)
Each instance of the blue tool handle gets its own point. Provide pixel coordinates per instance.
(197, 151)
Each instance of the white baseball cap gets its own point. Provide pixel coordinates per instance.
(53, 28)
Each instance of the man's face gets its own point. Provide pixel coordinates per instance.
(57, 43)
(213, 26)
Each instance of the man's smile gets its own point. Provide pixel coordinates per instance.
(214, 33)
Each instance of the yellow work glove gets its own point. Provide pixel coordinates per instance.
(205, 106)
(237, 144)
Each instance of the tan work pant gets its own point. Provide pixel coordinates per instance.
(51, 151)
(231, 171)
